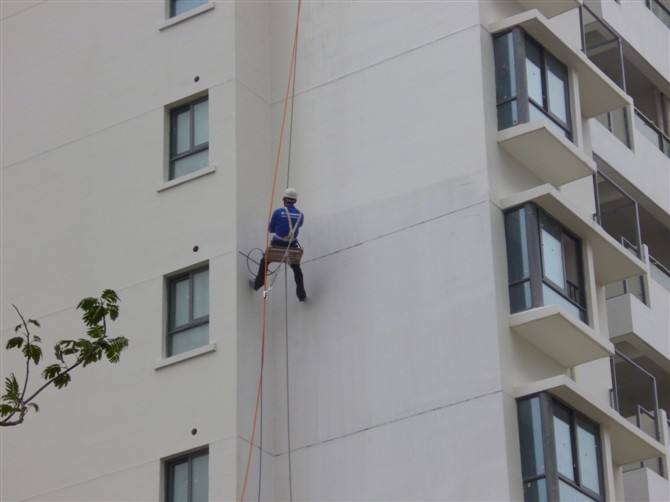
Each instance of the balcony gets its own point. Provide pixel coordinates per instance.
(612, 263)
(629, 444)
(551, 8)
(558, 335)
(651, 132)
(660, 9)
(548, 155)
(598, 93)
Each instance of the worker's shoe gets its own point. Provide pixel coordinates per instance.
(302, 296)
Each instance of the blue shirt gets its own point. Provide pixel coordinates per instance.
(279, 224)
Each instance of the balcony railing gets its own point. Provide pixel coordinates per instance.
(662, 12)
(660, 273)
(646, 420)
(634, 394)
(650, 131)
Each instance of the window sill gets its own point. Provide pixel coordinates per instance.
(183, 179)
(186, 15)
(185, 356)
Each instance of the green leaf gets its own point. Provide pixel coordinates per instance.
(51, 371)
(62, 380)
(32, 352)
(96, 331)
(17, 327)
(34, 406)
(58, 352)
(36, 339)
(11, 388)
(34, 322)
(16, 341)
(7, 409)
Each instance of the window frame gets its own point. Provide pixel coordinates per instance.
(521, 95)
(171, 330)
(173, 8)
(173, 135)
(536, 275)
(169, 473)
(548, 404)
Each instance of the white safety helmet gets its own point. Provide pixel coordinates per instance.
(291, 193)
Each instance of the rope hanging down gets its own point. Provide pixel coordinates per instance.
(259, 387)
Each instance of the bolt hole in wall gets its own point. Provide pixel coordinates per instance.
(195, 249)
(194, 431)
(196, 78)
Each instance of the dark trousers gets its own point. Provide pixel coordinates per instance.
(297, 275)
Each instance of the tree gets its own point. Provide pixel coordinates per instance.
(16, 401)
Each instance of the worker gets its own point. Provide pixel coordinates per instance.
(285, 224)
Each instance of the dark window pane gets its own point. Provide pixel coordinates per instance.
(530, 437)
(519, 297)
(552, 256)
(183, 135)
(190, 164)
(535, 491)
(189, 339)
(508, 115)
(200, 484)
(181, 6)
(571, 256)
(181, 299)
(534, 72)
(201, 123)
(517, 245)
(503, 47)
(563, 442)
(179, 485)
(567, 493)
(588, 457)
(201, 294)
(557, 86)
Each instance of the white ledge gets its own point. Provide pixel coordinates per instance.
(186, 15)
(186, 178)
(185, 356)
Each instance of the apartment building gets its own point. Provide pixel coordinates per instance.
(486, 188)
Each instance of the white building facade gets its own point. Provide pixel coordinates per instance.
(486, 189)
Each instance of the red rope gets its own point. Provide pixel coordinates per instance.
(267, 241)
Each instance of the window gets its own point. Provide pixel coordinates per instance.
(531, 84)
(180, 6)
(189, 137)
(544, 263)
(188, 311)
(560, 452)
(188, 478)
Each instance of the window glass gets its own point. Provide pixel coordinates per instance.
(508, 115)
(183, 132)
(200, 487)
(179, 488)
(534, 72)
(563, 442)
(557, 84)
(189, 339)
(201, 294)
(520, 297)
(571, 267)
(191, 163)
(530, 432)
(181, 6)
(551, 297)
(588, 459)
(567, 493)
(517, 245)
(201, 123)
(535, 491)
(181, 301)
(552, 255)
(503, 47)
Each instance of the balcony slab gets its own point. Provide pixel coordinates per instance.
(554, 332)
(551, 8)
(552, 158)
